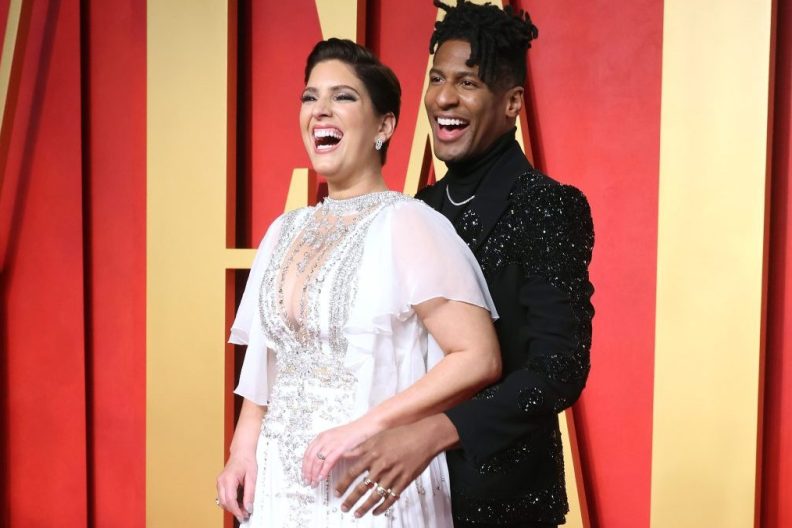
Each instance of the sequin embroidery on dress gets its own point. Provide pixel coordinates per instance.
(304, 301)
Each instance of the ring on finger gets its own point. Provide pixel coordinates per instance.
(321, 457)
(382, 491)
(393, 494)
(369, 483)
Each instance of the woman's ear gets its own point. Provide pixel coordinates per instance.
(387, 126)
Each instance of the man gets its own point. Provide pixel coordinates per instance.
(533, 238)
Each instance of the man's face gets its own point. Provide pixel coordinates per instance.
(466, 116)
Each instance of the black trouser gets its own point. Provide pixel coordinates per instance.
(465, 524)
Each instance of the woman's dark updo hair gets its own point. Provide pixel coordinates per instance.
(381, 83)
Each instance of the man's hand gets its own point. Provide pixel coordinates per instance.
(393, 459)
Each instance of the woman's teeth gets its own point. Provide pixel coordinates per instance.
(326, 138)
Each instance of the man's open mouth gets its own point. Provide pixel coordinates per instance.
(450, 128)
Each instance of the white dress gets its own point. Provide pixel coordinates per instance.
(327, 315)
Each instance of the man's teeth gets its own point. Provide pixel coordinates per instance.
(327, 132)
(450, 121)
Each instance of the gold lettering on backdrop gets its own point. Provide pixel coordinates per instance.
(186, 259)
(7, 57)
(342, 18)
(302, 189)
(710, 289)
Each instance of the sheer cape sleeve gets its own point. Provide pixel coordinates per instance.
(258, 369)
(412, 255)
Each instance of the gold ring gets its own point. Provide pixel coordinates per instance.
(382, 491)
(392, 494)
(368, 483)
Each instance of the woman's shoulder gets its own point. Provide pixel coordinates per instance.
(410, 211)
(410, 222)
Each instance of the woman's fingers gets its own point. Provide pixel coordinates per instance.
(310, 460)
(248, 490)
(329, 462)
(227, 494)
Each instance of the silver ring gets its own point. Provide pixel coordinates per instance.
(382, 491)
(320, 456)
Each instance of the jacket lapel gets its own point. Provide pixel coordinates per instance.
(492, 197)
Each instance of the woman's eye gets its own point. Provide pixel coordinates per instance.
(345, 97)
(307, 98)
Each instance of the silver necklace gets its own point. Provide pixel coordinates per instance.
(463, 202)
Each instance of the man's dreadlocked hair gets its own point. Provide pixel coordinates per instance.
(498, 39)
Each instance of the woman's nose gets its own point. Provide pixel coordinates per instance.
(322, 107)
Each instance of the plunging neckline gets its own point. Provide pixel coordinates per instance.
(312, 266)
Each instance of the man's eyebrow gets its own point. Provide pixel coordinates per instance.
(455, 73)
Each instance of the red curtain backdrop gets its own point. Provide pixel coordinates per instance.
(73, 271)
(72, 231)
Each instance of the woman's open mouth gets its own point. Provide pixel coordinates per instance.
(326, 139)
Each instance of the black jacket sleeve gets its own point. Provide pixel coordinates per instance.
(546, 344)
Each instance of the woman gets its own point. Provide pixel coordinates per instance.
(343, 313)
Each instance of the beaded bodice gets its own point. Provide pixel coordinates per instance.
(304, 302)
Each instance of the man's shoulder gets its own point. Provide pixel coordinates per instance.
(426, 193)
(534, 190)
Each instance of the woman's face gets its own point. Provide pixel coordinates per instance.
(338, 122)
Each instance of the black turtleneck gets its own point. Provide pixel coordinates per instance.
(464, 177)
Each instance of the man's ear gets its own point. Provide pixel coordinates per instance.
(514, 101)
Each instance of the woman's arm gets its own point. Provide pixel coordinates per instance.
(472, 361)
(241, 467)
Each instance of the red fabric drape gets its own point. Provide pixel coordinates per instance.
(72, 226)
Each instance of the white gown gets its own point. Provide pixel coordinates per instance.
(350, 271)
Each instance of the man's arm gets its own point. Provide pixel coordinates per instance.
(555, 339)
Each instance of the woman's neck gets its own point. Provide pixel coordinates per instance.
(351, 187)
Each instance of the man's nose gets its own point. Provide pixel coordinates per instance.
(446, 95)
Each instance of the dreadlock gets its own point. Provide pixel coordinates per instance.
(498, 39)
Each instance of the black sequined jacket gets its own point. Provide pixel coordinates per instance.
(533, 238)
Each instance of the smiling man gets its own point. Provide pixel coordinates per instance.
(533, 238)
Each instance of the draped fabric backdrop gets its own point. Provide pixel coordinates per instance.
(145, 147)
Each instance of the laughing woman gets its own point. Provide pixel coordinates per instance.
(362, 313)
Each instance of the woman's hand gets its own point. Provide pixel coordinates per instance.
(328, 447)
(240, 471)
